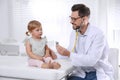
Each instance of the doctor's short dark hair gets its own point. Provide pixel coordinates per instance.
(82, 9)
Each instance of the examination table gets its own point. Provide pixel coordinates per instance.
(16, 68)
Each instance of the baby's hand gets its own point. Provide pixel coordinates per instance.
(42, 59)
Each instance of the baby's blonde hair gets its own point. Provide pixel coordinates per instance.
(32, 25)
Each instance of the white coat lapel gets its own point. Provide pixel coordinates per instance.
(88, 43)
(89, 40)
(90, 36)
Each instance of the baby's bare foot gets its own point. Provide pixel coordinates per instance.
(56, 65)
(45, 65)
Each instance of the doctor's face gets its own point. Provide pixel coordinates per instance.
(76, 20)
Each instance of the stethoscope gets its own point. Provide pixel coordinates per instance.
(76, 37)
(75, 42)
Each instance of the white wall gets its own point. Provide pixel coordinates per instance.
(54, 16)
(3, 19)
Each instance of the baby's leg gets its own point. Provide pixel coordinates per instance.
(35, 63)
(40, 64)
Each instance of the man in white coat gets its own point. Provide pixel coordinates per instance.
(88, 49)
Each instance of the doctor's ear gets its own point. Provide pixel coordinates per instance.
(83, 19)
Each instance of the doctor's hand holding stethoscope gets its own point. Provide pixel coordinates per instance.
(62, 51)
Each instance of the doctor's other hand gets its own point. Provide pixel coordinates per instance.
(62, 51)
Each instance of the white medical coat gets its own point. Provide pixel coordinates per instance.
(95, 54)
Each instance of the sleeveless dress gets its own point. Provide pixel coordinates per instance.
(38, 48)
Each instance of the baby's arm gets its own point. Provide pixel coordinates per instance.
(47, 51)
(50, 53)
(53, 55)
(30, 53)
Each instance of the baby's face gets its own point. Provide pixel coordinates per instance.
(37, 32)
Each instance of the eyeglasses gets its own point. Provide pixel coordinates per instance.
(74, 19)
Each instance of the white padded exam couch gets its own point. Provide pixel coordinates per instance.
(16, 68)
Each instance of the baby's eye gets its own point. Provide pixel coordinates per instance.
(37, 30)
